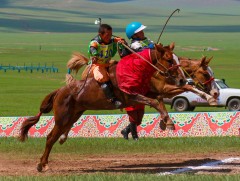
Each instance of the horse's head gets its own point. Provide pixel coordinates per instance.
(201, 74)
(165, 60)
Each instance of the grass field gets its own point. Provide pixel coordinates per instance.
(23, 92)
(43, 32)
(47, 32)
(78, 148)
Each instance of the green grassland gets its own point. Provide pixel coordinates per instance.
(79, 147)
(87, 146)
(47, 32)
(44, 32)
(129, 177)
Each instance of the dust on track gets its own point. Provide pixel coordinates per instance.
(117, 164)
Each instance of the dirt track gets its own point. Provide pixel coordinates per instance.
(155, 164)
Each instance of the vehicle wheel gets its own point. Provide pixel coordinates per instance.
(181, 104)
(234, 104)
(191, 108)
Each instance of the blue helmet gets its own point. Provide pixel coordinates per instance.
(133, 28)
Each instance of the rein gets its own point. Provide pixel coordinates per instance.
(166, 73)
(199, 83)
(81, 88)
(163, 73)
(86, 77)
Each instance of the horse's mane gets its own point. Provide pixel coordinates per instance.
(74, 64)
(77, 61)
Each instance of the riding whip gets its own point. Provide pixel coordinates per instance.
(166, 23)
(98, 21)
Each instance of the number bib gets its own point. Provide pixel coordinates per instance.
(105, 53)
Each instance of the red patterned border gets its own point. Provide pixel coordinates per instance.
(187, 124)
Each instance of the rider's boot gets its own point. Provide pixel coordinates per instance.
(107, 89)
(125, 132)
(133, 129)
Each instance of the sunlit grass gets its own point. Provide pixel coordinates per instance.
(95, 146)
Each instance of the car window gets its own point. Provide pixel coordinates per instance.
(222, 85)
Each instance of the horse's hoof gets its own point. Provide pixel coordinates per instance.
(162, 125)
(62, 139)
(39, 167)
(212, 102)
(42, 168)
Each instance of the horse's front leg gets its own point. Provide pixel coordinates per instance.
(171, 91)
(210, 99)
(158, 105)
(165, 122)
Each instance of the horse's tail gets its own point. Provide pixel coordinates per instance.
(46, 107)
(77, 61)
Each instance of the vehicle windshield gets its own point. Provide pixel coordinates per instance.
(221, 84)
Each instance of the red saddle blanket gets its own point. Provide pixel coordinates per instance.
(134, 74)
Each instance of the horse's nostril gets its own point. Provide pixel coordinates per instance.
(215, 93)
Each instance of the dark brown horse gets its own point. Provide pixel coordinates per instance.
(69, 102)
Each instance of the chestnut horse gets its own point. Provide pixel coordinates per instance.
(70, 101)
(196, 69)
(199, 72)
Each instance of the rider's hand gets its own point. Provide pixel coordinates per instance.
(119, 40)
(151, 46)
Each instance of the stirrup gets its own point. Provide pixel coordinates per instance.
(117, 104)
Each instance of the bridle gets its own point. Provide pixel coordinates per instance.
(198, 83)
(166, 71)
(173, 67)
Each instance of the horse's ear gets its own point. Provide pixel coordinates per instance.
(159, 48)
(172, 46)
(209, 60)
(203, 61)
(206, 61)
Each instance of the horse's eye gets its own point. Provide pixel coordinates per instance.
(170, 61)
(206, 76)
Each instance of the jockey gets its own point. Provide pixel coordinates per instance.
(134, 32)
(101, 49)
(139, 42)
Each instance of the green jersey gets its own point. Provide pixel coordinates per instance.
(104, 52)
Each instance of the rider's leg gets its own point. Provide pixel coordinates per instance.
(101, 76)
(126, 131)
(135, 114)
(108, 91)
(133, 129)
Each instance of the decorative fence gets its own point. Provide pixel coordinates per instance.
(187, 124)
(30, 68)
